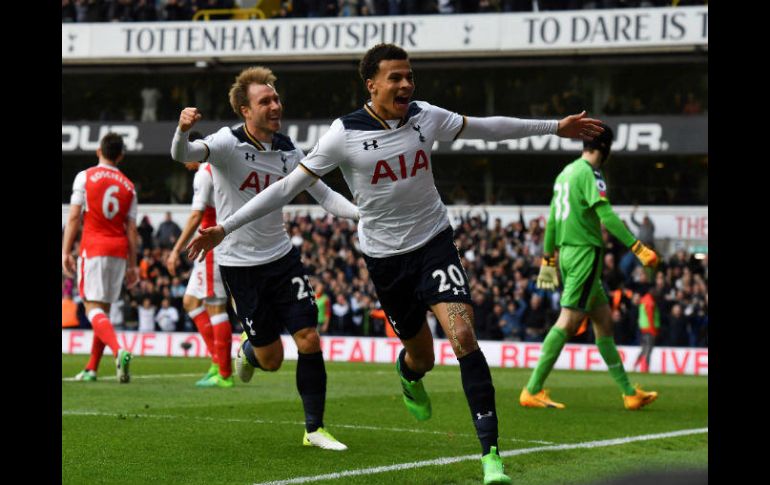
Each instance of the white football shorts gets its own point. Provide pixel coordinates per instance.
(206, 281)
(100, 278)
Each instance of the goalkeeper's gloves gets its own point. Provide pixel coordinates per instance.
(547, 279)
(645, 255)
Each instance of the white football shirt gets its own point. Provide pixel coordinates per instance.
(241, 167)
(390, 173)
(203, 189)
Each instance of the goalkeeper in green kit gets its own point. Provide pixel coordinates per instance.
(578, 207)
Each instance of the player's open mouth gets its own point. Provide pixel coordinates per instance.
(401, 101)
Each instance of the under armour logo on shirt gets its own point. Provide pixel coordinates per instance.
(457, 291)
(250, 156)
(416, 128)
(372, 145)
(283, 159)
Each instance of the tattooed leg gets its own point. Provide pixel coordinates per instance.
(457, 321)
(458, 324)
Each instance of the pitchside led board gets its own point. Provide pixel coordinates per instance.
(664, 360)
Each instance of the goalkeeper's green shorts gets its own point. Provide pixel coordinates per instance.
(581, 276)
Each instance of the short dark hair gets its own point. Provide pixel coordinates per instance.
(602, 142)
(112, 146)
(370, 63)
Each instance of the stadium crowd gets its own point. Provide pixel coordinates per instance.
(501, 262)
(180, 10)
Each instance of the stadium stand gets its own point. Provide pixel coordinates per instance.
(502, 265)
(174, 10)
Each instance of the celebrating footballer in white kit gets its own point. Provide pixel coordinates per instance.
(261, 269)
(384, 152)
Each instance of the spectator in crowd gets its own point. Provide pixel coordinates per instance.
(342, 317)
(646, 229)
(482, 310)
(150, 97)
(348, 8)
(500, 268)
(168, 232)
(120, 11)
(146, 314)
(330, 8)
(324, 308)
(68, 13)
(176, 10)
(678, 332)
(535, 319)
(359, 308)
(144, 11)
(145, 233)
(117, 313)
(649, 326)
(69, 311)
(495, 323)
(167, 317)
(611, 275)
(510, 323)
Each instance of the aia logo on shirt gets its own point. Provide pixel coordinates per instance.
(252, 182)
(384, 170)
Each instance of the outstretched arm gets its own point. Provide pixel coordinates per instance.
(498, 128)
(332, 201)
(273, 197)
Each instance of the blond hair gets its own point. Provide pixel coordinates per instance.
(239, 91)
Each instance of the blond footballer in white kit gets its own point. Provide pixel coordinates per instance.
(261, 269)
(383, 150)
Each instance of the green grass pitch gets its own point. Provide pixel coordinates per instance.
(161, 429)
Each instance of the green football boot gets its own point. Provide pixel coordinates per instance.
(494, 473)
(213, 370)
(86, 375)
(122, 364)
(415, 397)
(217, 381)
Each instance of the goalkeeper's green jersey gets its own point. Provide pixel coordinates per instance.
(578, 188)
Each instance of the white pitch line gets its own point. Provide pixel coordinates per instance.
(302, 423)
(149, 376)
(169, 376)
(455, 459)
